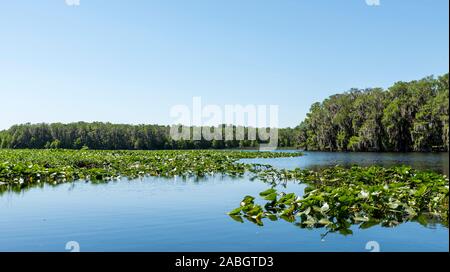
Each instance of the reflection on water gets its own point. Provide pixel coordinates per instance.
(155, 214)
(438, 162)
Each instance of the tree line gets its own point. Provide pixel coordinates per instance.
(109, 136)
(409, 116)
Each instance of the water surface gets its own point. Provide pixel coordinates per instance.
(156, 214)
(437, 162)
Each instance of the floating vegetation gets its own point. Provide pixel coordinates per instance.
(23, 168)
(337, 198)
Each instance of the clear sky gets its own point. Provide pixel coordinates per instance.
(130, 61)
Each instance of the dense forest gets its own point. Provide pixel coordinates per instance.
(409, 116)
(116, 136)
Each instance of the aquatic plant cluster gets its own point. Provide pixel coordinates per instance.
(337, 198)
(23, 168)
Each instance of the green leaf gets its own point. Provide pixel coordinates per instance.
(247, 200)
(325, 222)
(268, 192)
(369, 224)
(346, 232)
(237, 218)
(271, 197)
(235, 211)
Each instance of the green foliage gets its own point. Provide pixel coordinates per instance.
(409, 116)
(22, 168)
(337, 198)
(354, 143)
(106, 136)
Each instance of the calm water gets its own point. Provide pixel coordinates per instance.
(156, 214)
(438, 162)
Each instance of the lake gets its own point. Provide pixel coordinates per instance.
(157, 214)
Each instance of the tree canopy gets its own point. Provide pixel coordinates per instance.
(409, 116)
(107, 136)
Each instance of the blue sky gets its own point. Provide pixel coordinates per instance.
(130, 61)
